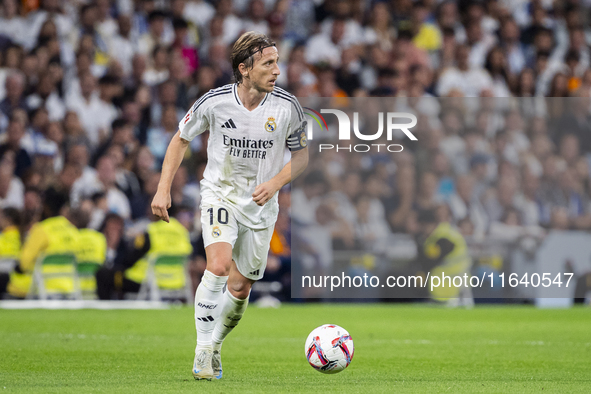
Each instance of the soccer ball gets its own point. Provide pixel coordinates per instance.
(329, 348)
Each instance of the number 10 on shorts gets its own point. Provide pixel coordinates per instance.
(222, 216)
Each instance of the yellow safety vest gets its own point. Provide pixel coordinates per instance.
(455, 263)
(165, 239)
(10, 243)
(10, 248)
(60, 236)
(92, 248)
(63, 238)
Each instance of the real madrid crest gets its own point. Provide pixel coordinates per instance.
(270, 126)
(216, 232)
(303, 140)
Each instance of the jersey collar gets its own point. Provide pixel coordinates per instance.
(235, 92)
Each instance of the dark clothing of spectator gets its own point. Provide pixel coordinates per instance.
(140, 205)
(111, 282)
(56, 198)
(6, 107)
(22, 159)
(347, 81)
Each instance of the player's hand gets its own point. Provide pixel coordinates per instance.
(264, 192)
(160, 205)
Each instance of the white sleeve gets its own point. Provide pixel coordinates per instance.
(195, 121)
(296, 134)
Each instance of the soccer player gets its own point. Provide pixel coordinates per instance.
(250, 123)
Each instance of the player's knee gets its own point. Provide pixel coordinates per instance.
(219, 266)
(240, 290)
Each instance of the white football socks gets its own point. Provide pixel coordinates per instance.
(232, 311)
(208, 300)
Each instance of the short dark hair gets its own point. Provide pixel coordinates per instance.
(119, 123)
(108, 80)
(572, 55)
(13, 215)
(245, 47)
(427, 216)
(110, 216)
(86, 7)
(179, 23)
(79, 218)
(156, 14)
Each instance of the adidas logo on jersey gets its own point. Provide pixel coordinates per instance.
(229, 124)
(254, 272)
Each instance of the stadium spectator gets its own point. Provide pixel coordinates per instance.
(10, 249)
(106, 181)
(121, 45)
(12, 143)
(181, 194)
(10, 238)
(156, 34)
(46, 96)
(125, 180)
(256, 17)
(326, 47)
(158, 71)
(54, 234)
(112, 228)
(496, 65)
(11, 188)
(78, 156)
(58, 193)
(91, 252)
(12, 24)
(13, 98)
(144, 164)
(369, 232)
(465, 205)
(89, 108)
(308, 195)
(463, 79)
(129, 269)
(399, 205)
(199, 12)
(443, 248)
(121, 136)
(232, 25)
(140, 203)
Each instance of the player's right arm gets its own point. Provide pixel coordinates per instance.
(174, 156)
(193, 124)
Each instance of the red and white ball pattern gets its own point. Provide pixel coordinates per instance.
(329, 348)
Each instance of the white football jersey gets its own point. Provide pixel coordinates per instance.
(245, 148)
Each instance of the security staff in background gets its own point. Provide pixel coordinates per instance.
(55, 234)
(129, 270)
(92, 246)
(443, 251)
(10, 246)
(10, 237)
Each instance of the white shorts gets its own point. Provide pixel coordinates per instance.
(250, 247)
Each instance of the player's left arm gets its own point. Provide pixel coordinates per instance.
(297, 142)
(298, 163)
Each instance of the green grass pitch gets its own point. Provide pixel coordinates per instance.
(398, 348)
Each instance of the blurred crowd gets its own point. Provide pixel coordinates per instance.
(498, 169)
(92, 91)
